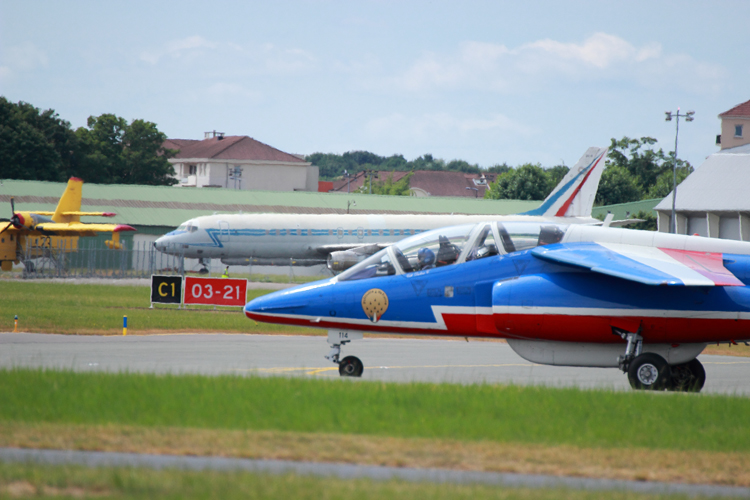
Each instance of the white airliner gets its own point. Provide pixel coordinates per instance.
(342, 240)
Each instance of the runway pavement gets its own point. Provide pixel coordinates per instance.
(385, 359)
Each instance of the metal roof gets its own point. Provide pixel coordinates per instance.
(623, 211)
(720, 184)
(169, 206)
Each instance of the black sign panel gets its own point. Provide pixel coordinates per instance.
(166, 289)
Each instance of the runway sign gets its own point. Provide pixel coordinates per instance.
(166, 289)
(215, 291)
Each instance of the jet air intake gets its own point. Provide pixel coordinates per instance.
(341, 261)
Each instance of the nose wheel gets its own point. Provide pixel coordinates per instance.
(351, 366)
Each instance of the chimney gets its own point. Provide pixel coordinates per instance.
(213, 133)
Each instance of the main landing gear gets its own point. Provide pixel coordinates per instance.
(350, 366)
(204, 269)
(650, 371)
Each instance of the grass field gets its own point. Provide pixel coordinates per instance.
(75, 482)
(98, 309)
(639, 436)
(533, 415)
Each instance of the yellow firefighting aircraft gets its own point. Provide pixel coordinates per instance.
(31, 235)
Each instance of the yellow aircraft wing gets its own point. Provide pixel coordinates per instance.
(79, 227)
(88, 214)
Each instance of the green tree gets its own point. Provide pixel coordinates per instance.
(34, 144)
(527, 182)
(664, 183)
(115, 152)
(554, 176)
(650, 169)
(649, 221)
(388, 186)
(617, 185)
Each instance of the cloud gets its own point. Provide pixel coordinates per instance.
(602, 56)
(176, 49)
(229, 57)
(22, 58)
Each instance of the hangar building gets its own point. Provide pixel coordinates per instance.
(713, 200)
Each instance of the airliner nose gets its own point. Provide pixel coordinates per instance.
(160, 244)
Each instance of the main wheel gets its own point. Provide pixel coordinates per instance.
(351, 366)
(688, 377)
(649, 371)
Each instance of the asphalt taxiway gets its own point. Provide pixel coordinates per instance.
(385, 359)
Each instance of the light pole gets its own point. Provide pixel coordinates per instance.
(476, 191)
(371, 173)
(347, 175)
(688, 118)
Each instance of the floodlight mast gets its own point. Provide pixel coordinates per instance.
(688, 118)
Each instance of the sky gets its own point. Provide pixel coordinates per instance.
(487, 82)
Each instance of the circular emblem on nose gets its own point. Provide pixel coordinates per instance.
(374, 303)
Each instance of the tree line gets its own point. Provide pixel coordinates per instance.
(635, 171)
(39, 145)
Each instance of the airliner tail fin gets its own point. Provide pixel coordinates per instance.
(574, 195)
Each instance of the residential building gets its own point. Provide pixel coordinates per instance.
(425, 182)
(735, 127)
(239, 162)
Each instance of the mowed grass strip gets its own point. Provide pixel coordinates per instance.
(41, 481)
(509, 414)
(637, 464)
(98, 309)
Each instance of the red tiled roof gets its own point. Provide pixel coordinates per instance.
(233, 147)
(435, 183)
(739, 110)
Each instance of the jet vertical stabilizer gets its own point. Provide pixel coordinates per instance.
(69, 202)
(574, 195)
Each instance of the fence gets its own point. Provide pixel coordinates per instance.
(90, 259)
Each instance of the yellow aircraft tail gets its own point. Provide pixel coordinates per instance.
(70, 201)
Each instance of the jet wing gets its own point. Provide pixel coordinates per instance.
(78, 227)
(647, 265)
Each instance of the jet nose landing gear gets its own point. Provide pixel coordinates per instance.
(350, 366)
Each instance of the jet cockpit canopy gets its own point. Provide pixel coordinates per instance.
(455, 245)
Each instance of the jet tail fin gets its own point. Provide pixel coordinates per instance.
(70, 201)
(574, 195)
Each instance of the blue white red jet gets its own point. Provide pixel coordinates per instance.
(568, 295)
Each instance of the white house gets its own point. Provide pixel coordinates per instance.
(239, 162)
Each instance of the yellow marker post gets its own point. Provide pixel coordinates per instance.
(15, 328)
(124, 325)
